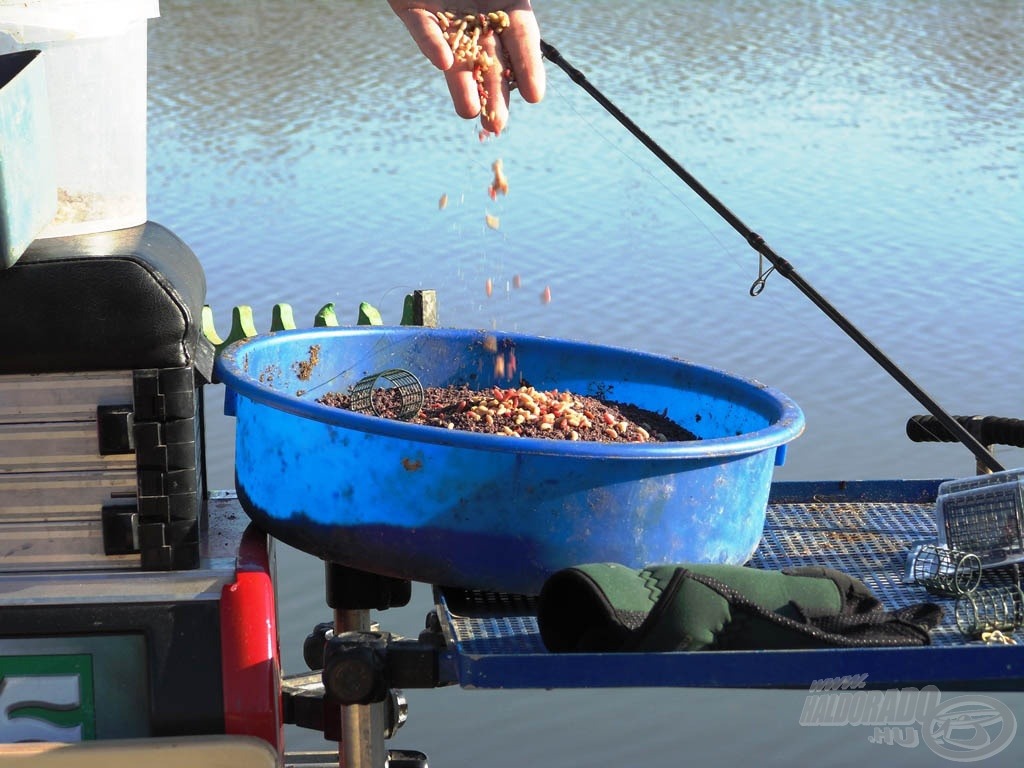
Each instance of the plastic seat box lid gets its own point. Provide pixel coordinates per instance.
(122, 300)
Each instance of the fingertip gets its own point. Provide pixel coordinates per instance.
(532, 91)
(463, 91)
(495, 122)
(466, 111)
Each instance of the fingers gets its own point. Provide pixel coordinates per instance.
(521, 43)
(496, 92)
(487, 98)
(516, 49)
(463, 88)
(423, 27)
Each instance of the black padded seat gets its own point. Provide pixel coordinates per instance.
(122, 300)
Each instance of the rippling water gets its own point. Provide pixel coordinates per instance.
(301, 149)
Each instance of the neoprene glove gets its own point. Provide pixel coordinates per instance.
(603, 607)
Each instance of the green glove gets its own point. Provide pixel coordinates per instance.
(608, 607)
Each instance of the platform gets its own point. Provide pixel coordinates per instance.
(863, 528)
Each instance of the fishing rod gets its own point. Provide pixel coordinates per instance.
(778, 264)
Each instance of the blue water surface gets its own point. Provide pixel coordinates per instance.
(301, 148)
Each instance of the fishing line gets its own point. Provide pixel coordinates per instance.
(650, 174)
(777, 263)
(400, 287)
(372, 353)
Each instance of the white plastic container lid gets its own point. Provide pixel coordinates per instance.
(44, 21)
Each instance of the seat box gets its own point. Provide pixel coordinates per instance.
(100, 403)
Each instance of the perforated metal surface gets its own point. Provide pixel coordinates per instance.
(867, 540)
(864, 538)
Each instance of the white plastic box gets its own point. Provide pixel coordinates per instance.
(28, 187)
(95, 59)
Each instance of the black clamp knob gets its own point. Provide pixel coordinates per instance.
(313, 645)
(360, 667)
(354, 667)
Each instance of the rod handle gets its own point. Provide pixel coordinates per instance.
(989, 430)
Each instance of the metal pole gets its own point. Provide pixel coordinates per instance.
(362, 725)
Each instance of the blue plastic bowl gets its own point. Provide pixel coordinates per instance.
(457, 508)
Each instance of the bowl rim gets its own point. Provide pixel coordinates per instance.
(230, 368)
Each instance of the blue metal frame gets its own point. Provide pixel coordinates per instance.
(976, 667)
(869, 524)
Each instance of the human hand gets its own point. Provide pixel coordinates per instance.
(514, 52)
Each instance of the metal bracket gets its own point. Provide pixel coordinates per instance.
(307, 704)
(351, 589)
(361, 667)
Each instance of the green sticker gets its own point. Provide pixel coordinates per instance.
(47, 698)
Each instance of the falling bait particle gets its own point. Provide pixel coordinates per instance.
(443, 202)
(545, 295)
(499, 185)
(489, 287)
(492, 221)
(490, 343)
(517, 282)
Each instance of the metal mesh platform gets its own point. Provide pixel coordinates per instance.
(863, 529)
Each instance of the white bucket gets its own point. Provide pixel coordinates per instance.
(95, 57)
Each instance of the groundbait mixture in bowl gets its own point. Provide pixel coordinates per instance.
(526, 412)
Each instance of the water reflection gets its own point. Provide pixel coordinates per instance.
(301, 147)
